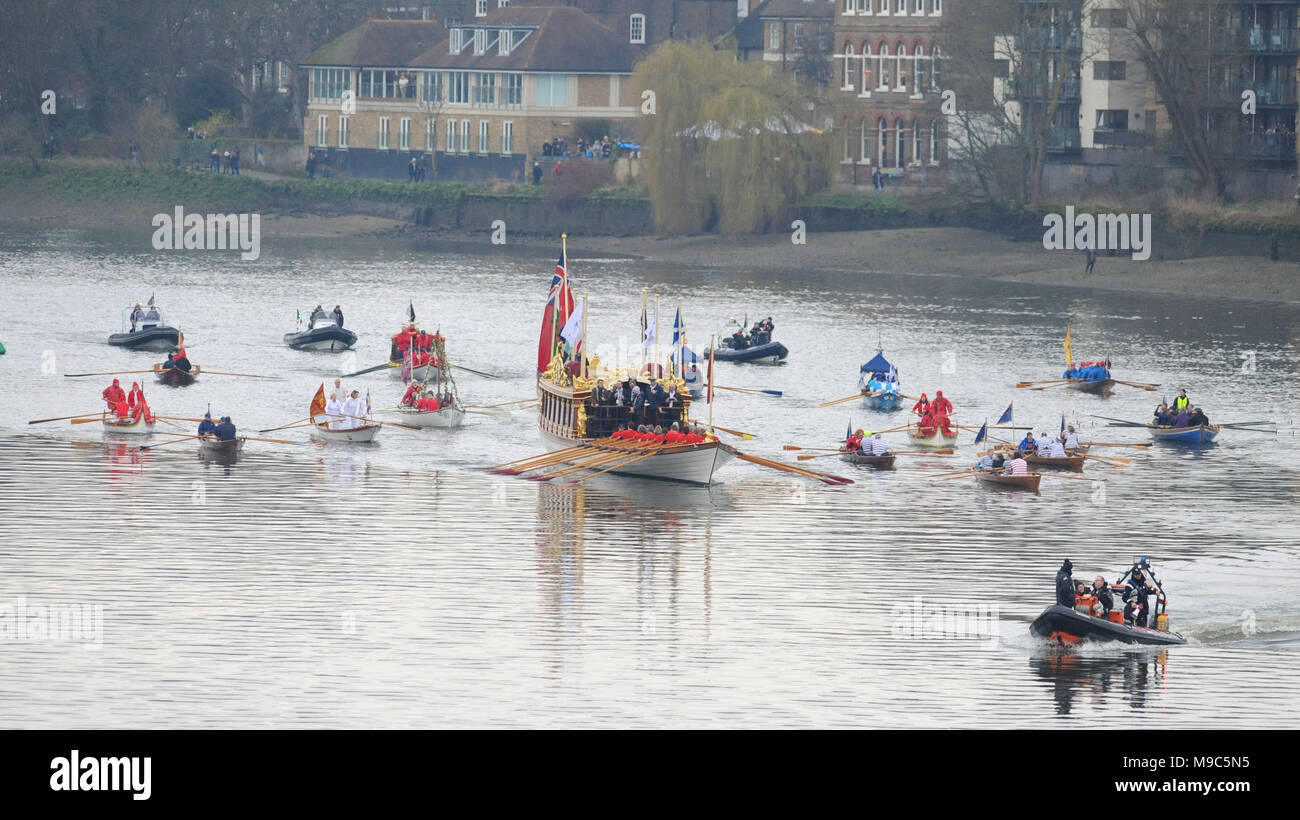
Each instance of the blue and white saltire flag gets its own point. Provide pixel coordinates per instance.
(650, 331)
(1006, 415)
(679, 329)
(983, 432)
(1062, 422)
(572, 332)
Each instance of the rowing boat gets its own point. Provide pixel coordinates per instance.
(446, 417)
(128, 425)
(883, 401)
(1073, 464)
(1097, 387)
(174, 376)
(215, 449)
(1012, 482)
(885, 462)
(1183, 435)
(937, 439)
(363, 434)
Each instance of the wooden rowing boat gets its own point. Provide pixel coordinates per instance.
(1097, 387)
(364, 434)
(128, 426)
(174, 377)
(1183, 435)
(1073, 464)
(1011, 482)
(885, 462)
(214, 449)
(938, 439)
(446, 417)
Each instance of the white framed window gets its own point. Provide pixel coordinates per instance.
(552, 89)
(431, 88)
(919, 8)
(848, 67)
(848, 156)
(884, 62)
(480, 37)
(504, 40)
(464, 136)
(773, 36)
(900, 66)
(866, 7)
(514, 89)
(383, 133)
(404, 134)
(934, 142)
(867, 63)
(485, 88)
(882, 128)
(322, 131)
(480, 8)
(501, 4)
(916, 142)
(483, 134)
(864, 143)
(458, 87)
(330, 83)
(936, 62)
(883, 7)
(343, 132)
(507, 137)
(936, 8)
(430, 134)
(850, 7)
(452, 130)
(636, 29)
(900, 141)
(901, 8)
(920, 70)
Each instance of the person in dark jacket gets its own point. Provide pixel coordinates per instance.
(226, 429)
(1135, 612)
(1104, 597)
(338, 316)
(1198, 419)
(1065, 585)
(207, 427)
(1137, 590)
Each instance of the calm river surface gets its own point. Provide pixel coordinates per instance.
(397, 585)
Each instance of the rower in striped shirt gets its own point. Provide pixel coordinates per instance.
(878, 446)
(1016, 466)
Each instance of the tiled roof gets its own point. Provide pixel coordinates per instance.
(565, 39)
(380, 43)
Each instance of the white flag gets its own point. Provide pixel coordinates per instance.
(572, 332)
(650, 332)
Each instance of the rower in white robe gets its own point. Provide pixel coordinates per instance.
(354, 408)
(332, 412)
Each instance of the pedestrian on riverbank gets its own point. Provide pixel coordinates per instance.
(215, 158)
(311, 165)
(1091, 256)
(234, 161)
(537, 173)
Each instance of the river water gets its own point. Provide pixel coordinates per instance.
(397, 585)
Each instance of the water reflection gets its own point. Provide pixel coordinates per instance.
(1134, 678)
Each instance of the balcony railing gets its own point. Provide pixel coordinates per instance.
(1123, 139)
(1064, 139)
(1273, 94)
(1070, 90)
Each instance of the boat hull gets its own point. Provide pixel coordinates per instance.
(448, 417)
(423, 373)
(1184, 435)
(172, 377)
(767, 353)
(885, 462)
(1063, 625)
(1009, 482)
(356, 435)
(330, 339)
(229, 450)
(1073, 464)
(936, 440)
(1097, 387)
(684, 463)
(160, 339)
(884, 402)
(138, 427)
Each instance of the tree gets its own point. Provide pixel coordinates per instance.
(728, 142)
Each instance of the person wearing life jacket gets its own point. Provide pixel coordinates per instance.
(116, 398)
(1135, 612)
(1181, 402)
(1105, 599)
(1065, 584)
(1138, 589)
(941, 404)
(921, 406)
(854, 444)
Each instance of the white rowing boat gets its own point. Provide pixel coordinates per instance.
(128, 426)
(446, 417)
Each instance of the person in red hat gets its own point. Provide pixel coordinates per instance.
(941, 404)
(922, 405)
(116, 398)
(135, 401)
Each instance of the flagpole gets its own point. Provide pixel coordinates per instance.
(645, 325)
(582, 342)
(681, 342)
(713, 344)
(657, 331)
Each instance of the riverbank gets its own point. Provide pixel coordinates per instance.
(104, 194)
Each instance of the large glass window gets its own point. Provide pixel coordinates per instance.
(343, 132)
(514, 89)
(322, 130)
(329, 83)
(485, 88)
(552, 89)
(483, 136)
(458, 87)
(507, 137)
(431, 86)
(404, 134)
(383, 133)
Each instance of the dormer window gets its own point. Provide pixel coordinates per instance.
(503, 42)
(636, 29)
(480, 41)
(480, 8)
(455, 41)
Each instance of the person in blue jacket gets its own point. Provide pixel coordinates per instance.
(206, 427)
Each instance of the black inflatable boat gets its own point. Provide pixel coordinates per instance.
(1062, 625)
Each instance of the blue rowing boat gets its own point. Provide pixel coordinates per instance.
(1184, 435)
(880, 369)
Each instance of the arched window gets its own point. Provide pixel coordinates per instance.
(918, 58)
(902, 7)
(916, 142)
(884, 66)
(900, 142)
(883, 158)
(848, 151)
(936, 62)
(864, 141)
(848, 66)
(937, 5)
(867, 68)
(902, 60)
(636, 29)
(934, 142)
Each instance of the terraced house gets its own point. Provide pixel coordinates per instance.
(477, 98)
(889, 79)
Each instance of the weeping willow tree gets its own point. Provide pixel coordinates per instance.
(729, 143)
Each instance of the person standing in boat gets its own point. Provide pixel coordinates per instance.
(1137, 590)
(136, 313)
(1181, 402)
(333, 409)
(206, 427)
(135, 401)
(354, 408)
(338, 316)
(941, 404)
(116, 398)
(922, 405)
(1065, 584)
(1071, 438)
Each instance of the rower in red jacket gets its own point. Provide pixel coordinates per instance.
(854, 444)
(922, 405)
(926, 426)
(941, 404)
(116, 398)
(941, 419)
(135, 401)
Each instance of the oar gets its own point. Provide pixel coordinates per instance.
(599, 460)
(178, 418)
(740, 433)
(88, 421)
(548, 456)
(793, 447)
(1122, 422)
(502, 404)
(790, 468)
(367, 370)
(110, 373)
(168, 423)
(284, 426)
(1047, 386)
(966, 474)
(246, 375)
(1113, 444)
(1108, 459)
(1041, 381)
(97, 414)
(840, 401)
(749, 390)
(499, 413)
(165, 443)
(475, 372)
(1245, 424)
(271, 440)
(1142, 385)
(1070, 477)
(618, 465)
